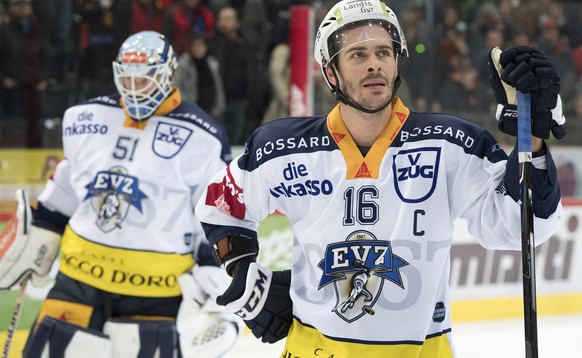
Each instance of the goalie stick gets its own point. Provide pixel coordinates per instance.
(524, 148)
(15, 317)
(8, 235)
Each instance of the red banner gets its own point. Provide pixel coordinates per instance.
(301, 44)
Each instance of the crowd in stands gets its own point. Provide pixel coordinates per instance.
(234, 56)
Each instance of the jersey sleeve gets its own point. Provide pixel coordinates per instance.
(58, 194)
(235, 201)
(486, 195)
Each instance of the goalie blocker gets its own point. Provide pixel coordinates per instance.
(25, 248)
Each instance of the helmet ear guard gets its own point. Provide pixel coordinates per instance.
(143, 73)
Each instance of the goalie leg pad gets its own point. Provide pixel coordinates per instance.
(143, 339)
(56, 338)
(204, 329)
(215, 336)
(212, 279)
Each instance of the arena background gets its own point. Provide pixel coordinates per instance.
(486, 290)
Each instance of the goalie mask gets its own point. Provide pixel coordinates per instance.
(331, 39)
(143, 73)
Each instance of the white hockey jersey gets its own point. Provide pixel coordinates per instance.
(372, 235)
(130, 189)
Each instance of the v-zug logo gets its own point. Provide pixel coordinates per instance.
(300, 186)
(358, 268)
(415, 173)
(169, 139)
(112, 192)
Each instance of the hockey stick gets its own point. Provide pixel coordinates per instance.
(15, 317)
(524, 148)
(7, 236)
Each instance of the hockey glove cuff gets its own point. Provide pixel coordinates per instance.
(261, 298)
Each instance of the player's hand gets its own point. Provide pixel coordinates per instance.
(527, 70)
(26, 249)
(261, 298)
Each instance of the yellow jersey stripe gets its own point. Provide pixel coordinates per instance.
(122, 271)
(305, 341)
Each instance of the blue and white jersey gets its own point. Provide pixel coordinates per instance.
(372, 235)
(130, 189)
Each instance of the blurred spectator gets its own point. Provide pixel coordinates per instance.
(133, 16)
(198, 77)
(23, 69)
(567, 178)
(56, 19)
(4, 18)
(416, 70)
(81, 36)
(526, 19)
(452, 46)
(469, 9)
(279, 81)
(487, 18)
(323, 99)
(462, 92)
(236, 63)
(253, 29)
(253, 22)
(493, 38)
(575, 109)
(556, 49)
(183, 18)
(506, 11)
(520, 38)
(278, 14)
(96, 48)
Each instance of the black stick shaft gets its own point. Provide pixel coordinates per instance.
(527, 227)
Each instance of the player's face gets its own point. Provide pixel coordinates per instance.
(367, 68)
(140, 84)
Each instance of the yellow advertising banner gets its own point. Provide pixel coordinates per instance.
(27, 166)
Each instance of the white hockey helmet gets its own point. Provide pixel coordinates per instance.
(143, 73)
(350, 14)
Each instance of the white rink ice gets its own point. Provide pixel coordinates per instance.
(558, 337)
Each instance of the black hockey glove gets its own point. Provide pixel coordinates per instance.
(261, 298)
(529, 71)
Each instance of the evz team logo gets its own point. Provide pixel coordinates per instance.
(169, 139)
(415, 173)
(111, 193)
(358, 268)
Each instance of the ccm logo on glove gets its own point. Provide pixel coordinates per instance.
(40, 256)
(255, 302)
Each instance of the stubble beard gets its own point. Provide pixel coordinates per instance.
(369, 103)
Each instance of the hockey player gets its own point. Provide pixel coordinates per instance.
(134, 267)
(375, 185)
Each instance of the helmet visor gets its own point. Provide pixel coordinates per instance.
(141, 87)
(355, 34)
